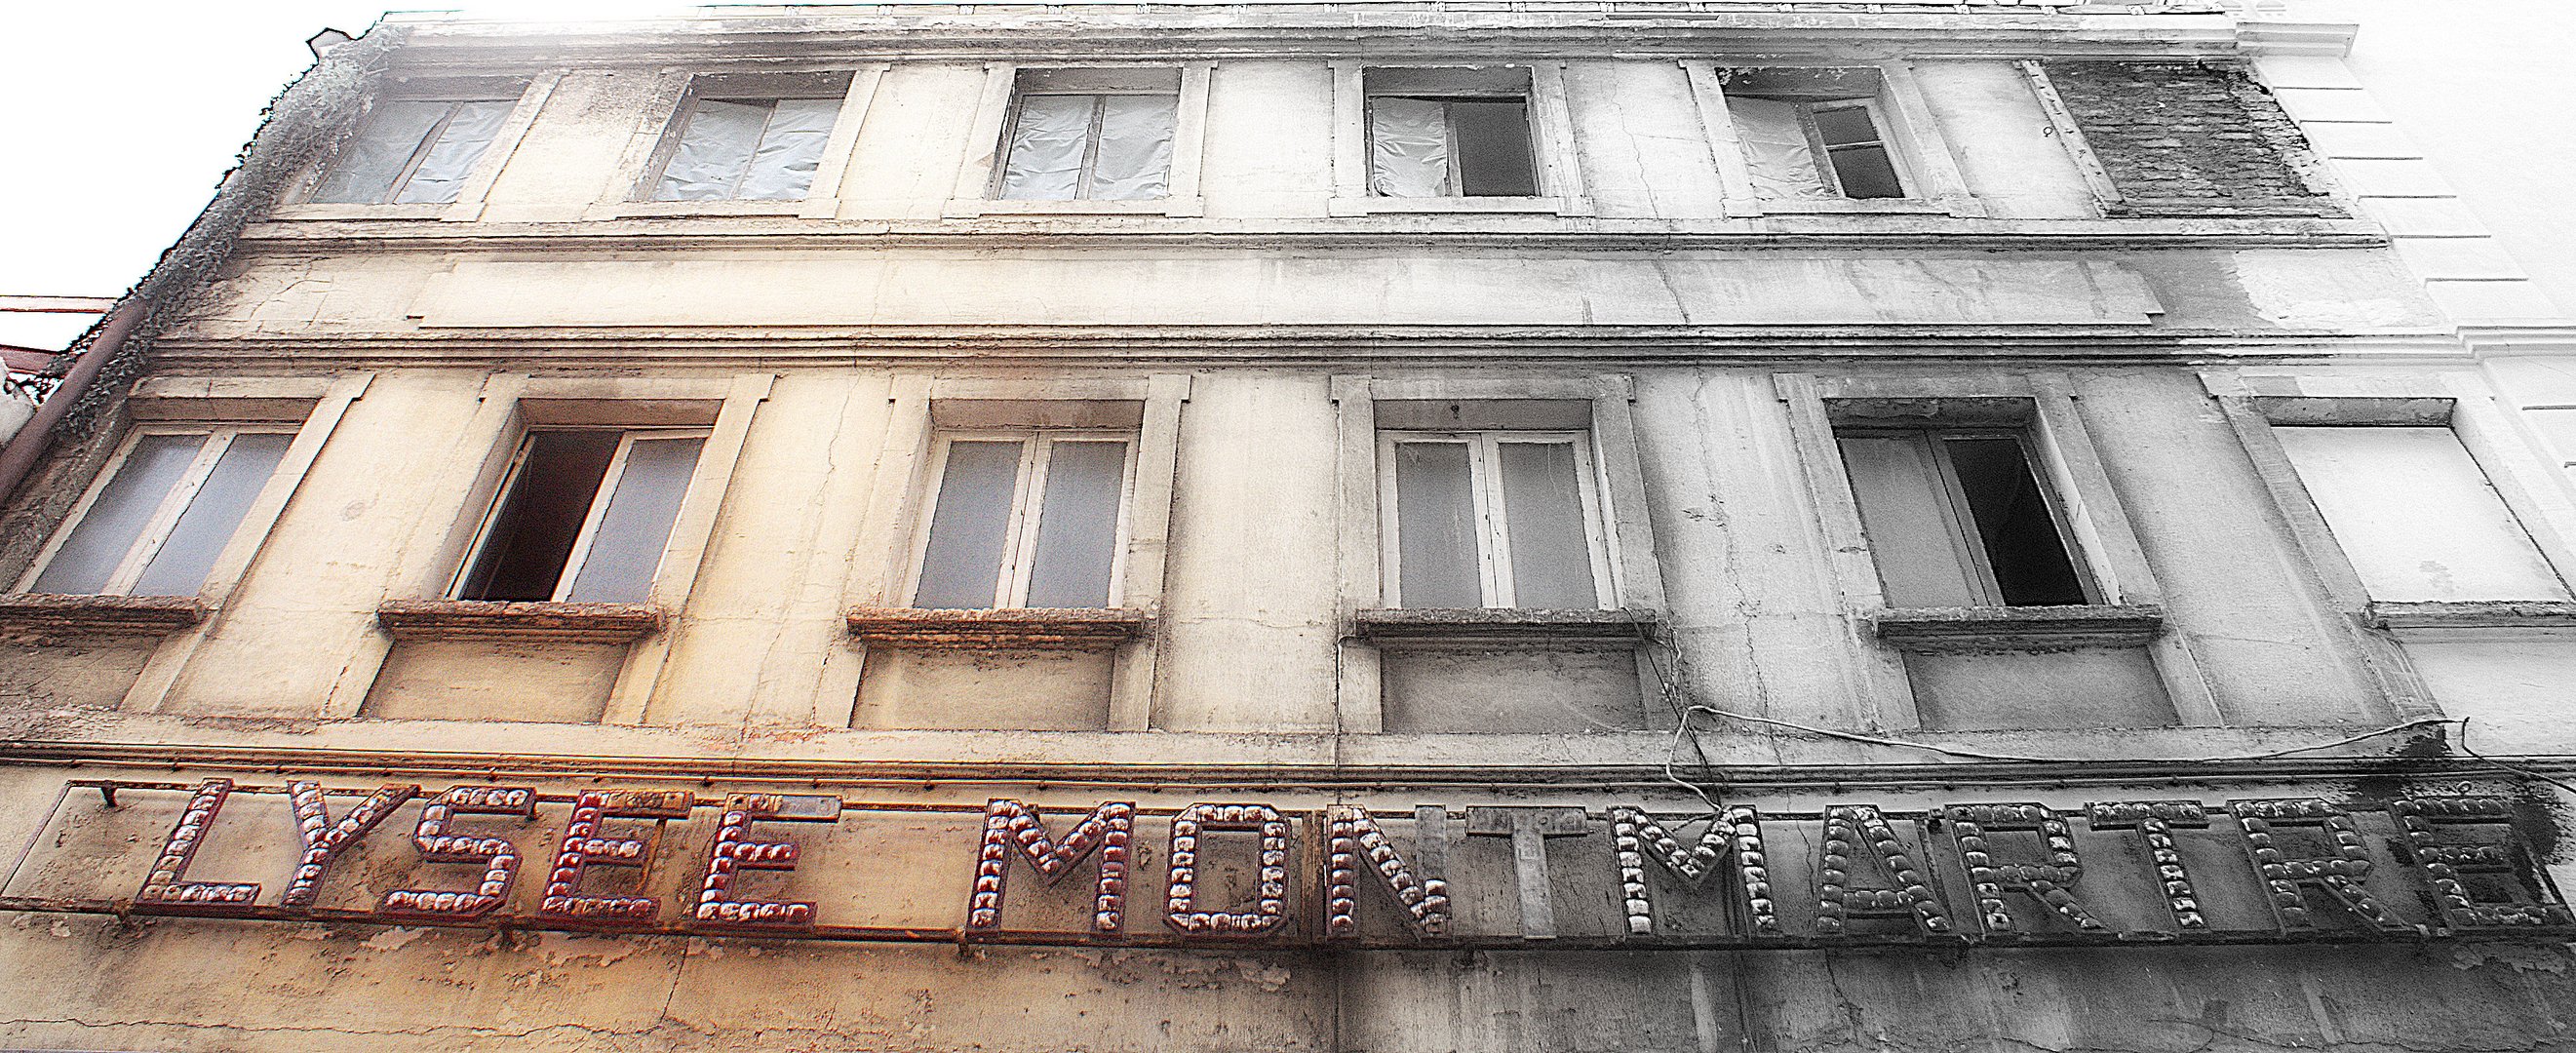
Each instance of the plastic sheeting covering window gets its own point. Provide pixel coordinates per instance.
(1775, 147)
(378, 165)
(1408, 147)
(756, 151)
(451, 157)
(1096, 147)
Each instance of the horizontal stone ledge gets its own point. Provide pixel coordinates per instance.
(530, 621)
(2475, 614)
(53, 616)
(1001, 628)
(1501, 625)
(1982, 629)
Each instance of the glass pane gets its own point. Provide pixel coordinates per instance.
(1845, 126)
(365, 171)
(1865, 172)
(1905, 513)
(179, 569)
(1494, 148)
(1047, 146)
(1135, 147)
(782, 169)
(1435, 526)
(88, 558)
(1078, 525)
(443, 170)
(1543, 514)
(970, 526)
(533, 530)
(626, 548)
(1408, 147)
(2013, 522)
(714, 149)
(1782, 163)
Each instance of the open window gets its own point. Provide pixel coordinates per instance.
(1450, 133)
(414, 151)
(155, 523)
(1957, 518)
(1814, 134)
(1090, 135)
(1508, 519)
(584, 516)
(1026, 519)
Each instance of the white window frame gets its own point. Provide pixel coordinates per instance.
(156, 530)
(979, 178)
(599, 498)
(1552, 153)
(1915, 147)
(471, 198)
(629, 192)
(1493, 515)
(1020, 538)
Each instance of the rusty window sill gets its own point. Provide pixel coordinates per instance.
(2488, 614)
(1490, 625)
(1972, 629)
(50, 616)
(1059, 629)
(488, 620)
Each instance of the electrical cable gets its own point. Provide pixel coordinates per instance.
(2515, 769)
(2025, 759)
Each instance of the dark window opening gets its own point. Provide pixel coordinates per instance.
(1959, 519)
(533, 531)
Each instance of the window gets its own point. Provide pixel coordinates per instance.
(746, 149)
(174, 500)
(1956, 518)
(1818, 150)
(583, 516)
(1493, 519)
(2415, 516)
(1089, 147)
(413, 151)
(1029, 519)
(1450, 133)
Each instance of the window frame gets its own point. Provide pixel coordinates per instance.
(1091, 140)
(1554, 163)
(598, 508)
(1028, 496)
(1457, 173)
(977, 192)
(1495, 577)
(629, 191)
(1960, 519)
(1921, 156)
(471, 197)
(165, 516)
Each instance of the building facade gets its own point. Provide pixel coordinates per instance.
(1376, 527)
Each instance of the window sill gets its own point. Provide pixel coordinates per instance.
(320, 210)
(976, 208)
(1975, 629)
(2475, 614)
(488, 620)
(51, 616)
(1858, 206)
(1366, 206)
(807, 207)
(1034, 628)
(1481, 625)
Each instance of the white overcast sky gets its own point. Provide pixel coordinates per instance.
(127, 113)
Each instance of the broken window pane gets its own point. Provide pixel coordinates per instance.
(1774, 136)
(451, 157)
(1049, 144)
(1543, 512)
(761, 150)
(535, 526)
(1134, 159)
(1493, 138)
(1435, 520)
(87, 560)
(626, 547)
(368, 164)
(1408, 147)
(1078, 524)
(188, 554)
(969, 526)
